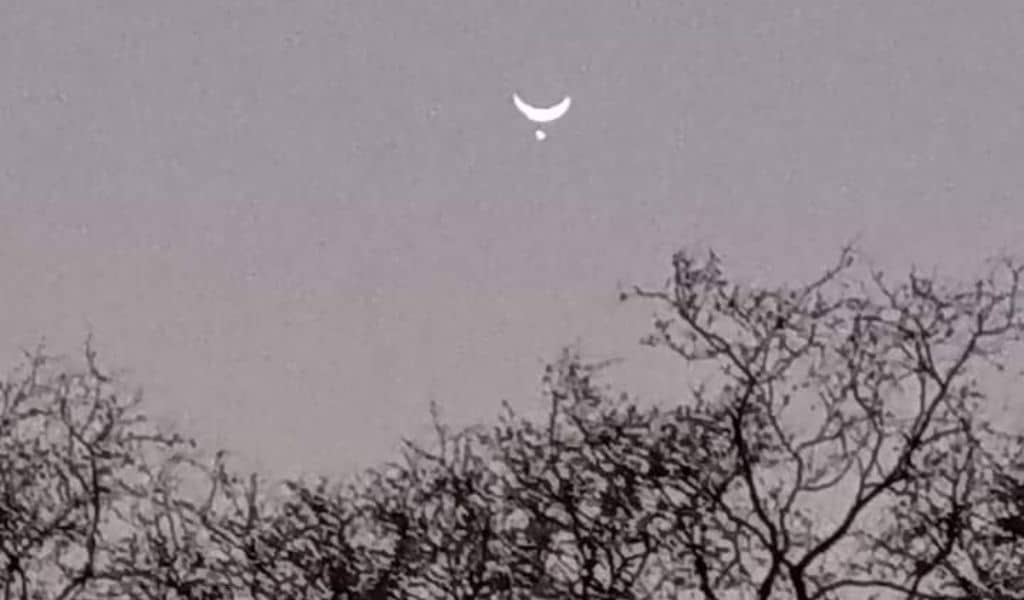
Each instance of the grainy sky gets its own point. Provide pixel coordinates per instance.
(296, 222)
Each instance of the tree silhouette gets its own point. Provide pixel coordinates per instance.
(845, 449)
(861, 401)
(80, 468)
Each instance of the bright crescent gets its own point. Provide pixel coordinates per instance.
(542, 115)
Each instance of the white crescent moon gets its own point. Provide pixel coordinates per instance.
(542, 115)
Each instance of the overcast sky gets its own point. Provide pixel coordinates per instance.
(298, 221)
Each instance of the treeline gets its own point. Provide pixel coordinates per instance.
(843, 451)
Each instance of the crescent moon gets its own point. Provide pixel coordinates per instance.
(542, 115)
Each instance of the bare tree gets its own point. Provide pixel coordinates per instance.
(77, 460)
(845, 450)
(857, 425)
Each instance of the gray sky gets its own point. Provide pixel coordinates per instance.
(296, 222)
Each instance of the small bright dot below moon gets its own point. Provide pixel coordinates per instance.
(540, 134)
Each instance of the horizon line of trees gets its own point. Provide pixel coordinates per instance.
(846, 449)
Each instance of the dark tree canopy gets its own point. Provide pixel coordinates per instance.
(847, 448)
